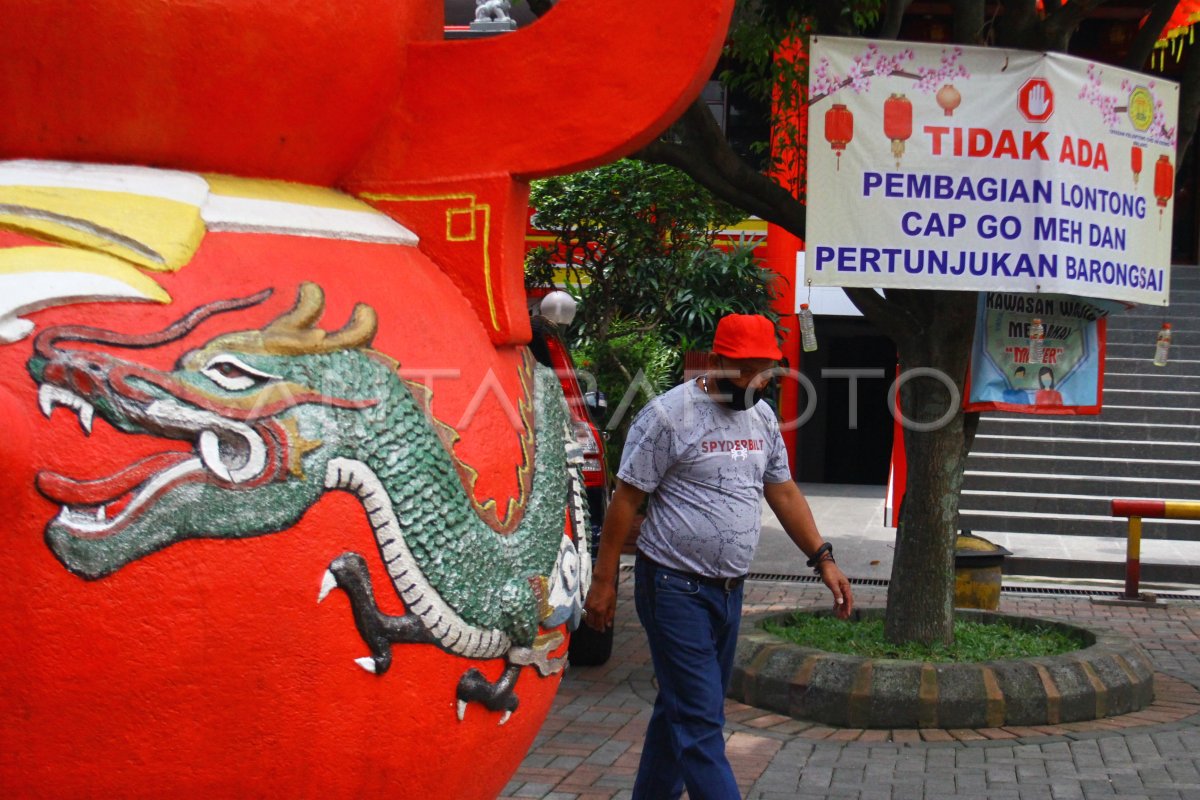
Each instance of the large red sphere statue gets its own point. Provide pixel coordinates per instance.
(289, 510)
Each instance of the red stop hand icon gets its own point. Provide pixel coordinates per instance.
(1035, 101)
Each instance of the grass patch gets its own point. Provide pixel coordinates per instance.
(973, 641)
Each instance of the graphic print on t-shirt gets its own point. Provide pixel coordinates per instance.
(704, 466)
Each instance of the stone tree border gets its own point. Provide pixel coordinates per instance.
(1112, 675)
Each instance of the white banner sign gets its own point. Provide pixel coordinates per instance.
(980, 169)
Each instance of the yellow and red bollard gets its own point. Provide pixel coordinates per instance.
(1136, 511)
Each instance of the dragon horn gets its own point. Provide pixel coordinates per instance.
(310, 304)
(358, 332)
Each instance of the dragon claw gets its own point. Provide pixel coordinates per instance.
(496, 695)
(328, 584)
(367, 663)
(461, 711)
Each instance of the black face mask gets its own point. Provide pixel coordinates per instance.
(736, 397)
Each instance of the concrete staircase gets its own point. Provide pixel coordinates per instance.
(1056, 475)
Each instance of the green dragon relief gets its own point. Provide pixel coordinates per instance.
(279, 416)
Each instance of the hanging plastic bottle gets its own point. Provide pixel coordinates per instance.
(808, 330)
(1037, 341)
(1163, 345)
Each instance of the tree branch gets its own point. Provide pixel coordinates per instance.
(968, 21)
(1058, 27)
(896, 73)
(1018, 19)
(884, 314)
(1143, 43)
(1189, 105)
(705, 155)
(890, 28)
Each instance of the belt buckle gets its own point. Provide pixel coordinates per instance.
(731, 584)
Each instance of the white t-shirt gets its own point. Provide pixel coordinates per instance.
(704, 466)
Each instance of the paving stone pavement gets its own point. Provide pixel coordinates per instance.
(589, 745)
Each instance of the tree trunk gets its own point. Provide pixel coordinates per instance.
(920, 605)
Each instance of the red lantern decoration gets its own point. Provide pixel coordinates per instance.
(1135, 162)
(948, 98)
(1179, 26)
(897, 123)
(839, 129)
(1164, 184)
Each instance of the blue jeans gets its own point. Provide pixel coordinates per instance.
(693, 631)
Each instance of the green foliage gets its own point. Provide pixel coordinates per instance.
(973, 641)
(650, 284)
(639, 242)
(712, 284)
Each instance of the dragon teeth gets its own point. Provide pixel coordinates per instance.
(328, 582)
(51, 396)
(46, 399)
(210, 452)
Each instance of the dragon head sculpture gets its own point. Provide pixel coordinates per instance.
(264, 411)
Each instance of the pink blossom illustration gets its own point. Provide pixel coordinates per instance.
(872, 63)
(1092, 92)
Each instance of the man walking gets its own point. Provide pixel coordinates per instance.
(705, 454)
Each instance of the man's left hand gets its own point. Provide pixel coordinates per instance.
(839, 585)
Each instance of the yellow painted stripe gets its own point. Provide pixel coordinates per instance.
(285, 192)
(41, 269)
(749, 225)
(33, 278)
(565, 277)
(1181, 509)
(152, 232)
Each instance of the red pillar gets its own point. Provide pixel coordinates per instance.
(781, 259)
(789, 136)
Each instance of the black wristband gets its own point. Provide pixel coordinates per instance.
(821, 551)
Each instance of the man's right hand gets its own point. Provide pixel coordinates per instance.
(601, 605)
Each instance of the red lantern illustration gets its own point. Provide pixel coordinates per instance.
(1164, 184)
(948, 98)
(1135, 162)
(839, 129)
(897, 123)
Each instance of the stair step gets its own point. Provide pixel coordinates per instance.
(1146, 336)
(1165, 378)
(1145, 415)
(1141, 349)
(1183, 304)
(1077, 525)
(1108, 486)
(985, 461)
(1068, 505)
(1144, 365)
(1053, 447)
(1120, 395)
(1091, 428)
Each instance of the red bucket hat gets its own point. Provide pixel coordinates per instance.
(746, 336)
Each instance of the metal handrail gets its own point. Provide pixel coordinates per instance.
(1136, 511)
